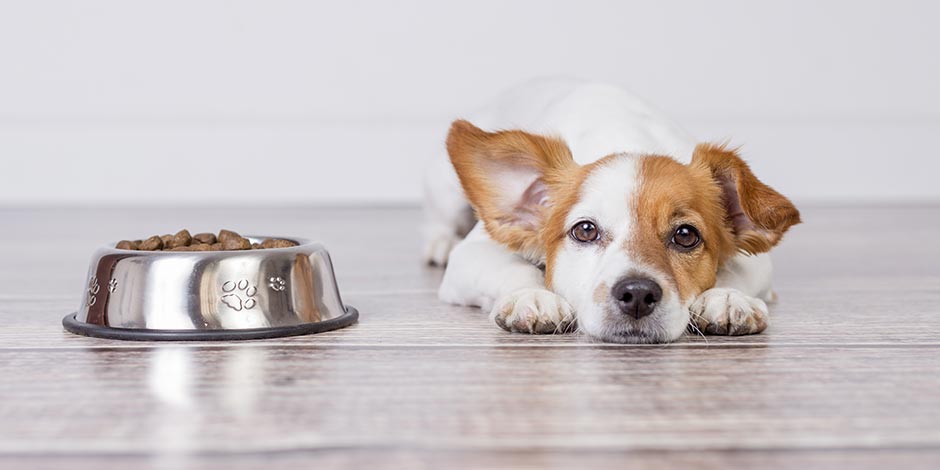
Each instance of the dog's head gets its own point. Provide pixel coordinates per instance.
(629, 240)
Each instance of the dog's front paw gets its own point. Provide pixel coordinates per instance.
(722, 311)
(533, 311)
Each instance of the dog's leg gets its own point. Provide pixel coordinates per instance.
(447, 214)
(483, 273)
(736, 305)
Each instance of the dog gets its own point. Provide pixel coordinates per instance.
(598, 213)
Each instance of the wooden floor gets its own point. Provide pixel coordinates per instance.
(847, 375)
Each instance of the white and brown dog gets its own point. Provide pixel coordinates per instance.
(598, 211)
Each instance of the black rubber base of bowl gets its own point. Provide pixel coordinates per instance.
(135, 334)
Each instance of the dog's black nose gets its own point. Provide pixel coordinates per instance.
(637, 297)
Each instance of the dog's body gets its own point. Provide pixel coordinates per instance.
(589, 156)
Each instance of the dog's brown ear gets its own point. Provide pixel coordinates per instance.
(758, 215)
(507, 177)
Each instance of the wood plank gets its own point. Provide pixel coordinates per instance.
(299, 397)
(416, 459)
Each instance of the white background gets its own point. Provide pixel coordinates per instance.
(294, 102)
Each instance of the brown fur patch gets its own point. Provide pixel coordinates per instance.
(752, 218)
(479, 157)
(671, 194)
(758, 215)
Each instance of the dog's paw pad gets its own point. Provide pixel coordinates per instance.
(533, 311)
(721, 311)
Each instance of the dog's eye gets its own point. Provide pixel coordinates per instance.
(585, 231)
(686, 237)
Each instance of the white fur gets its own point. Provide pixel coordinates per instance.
(492, 272)
(595, 120)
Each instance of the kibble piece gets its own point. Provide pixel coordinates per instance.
(205, 238)
(191, 248)
(153, 243)
(183, 241)
(277, 243)
(182, 238)
(127, 245)
(236, 244)
(226, 234)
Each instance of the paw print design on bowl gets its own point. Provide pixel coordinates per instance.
(112, 285)
(93, 289)
(239, 295)
(277, 284)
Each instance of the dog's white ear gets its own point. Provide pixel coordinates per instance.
(507, 176)
(757, 215)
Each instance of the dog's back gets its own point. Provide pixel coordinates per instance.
(594, 119)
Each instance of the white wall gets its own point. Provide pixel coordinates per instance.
(177, 102)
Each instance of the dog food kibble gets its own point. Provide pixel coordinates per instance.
(182, 238)
(233, 243)
(226, 240)
(127, 245)
(204, 238)
(277, 243)
(226, 234)
(151, 244)
(196, 247)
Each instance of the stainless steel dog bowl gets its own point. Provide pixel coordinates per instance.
(210, 295)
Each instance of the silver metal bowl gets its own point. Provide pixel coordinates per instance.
(210, 295)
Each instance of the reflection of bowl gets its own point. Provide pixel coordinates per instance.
(210, 295)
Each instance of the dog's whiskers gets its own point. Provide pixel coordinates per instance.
(697, 330)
